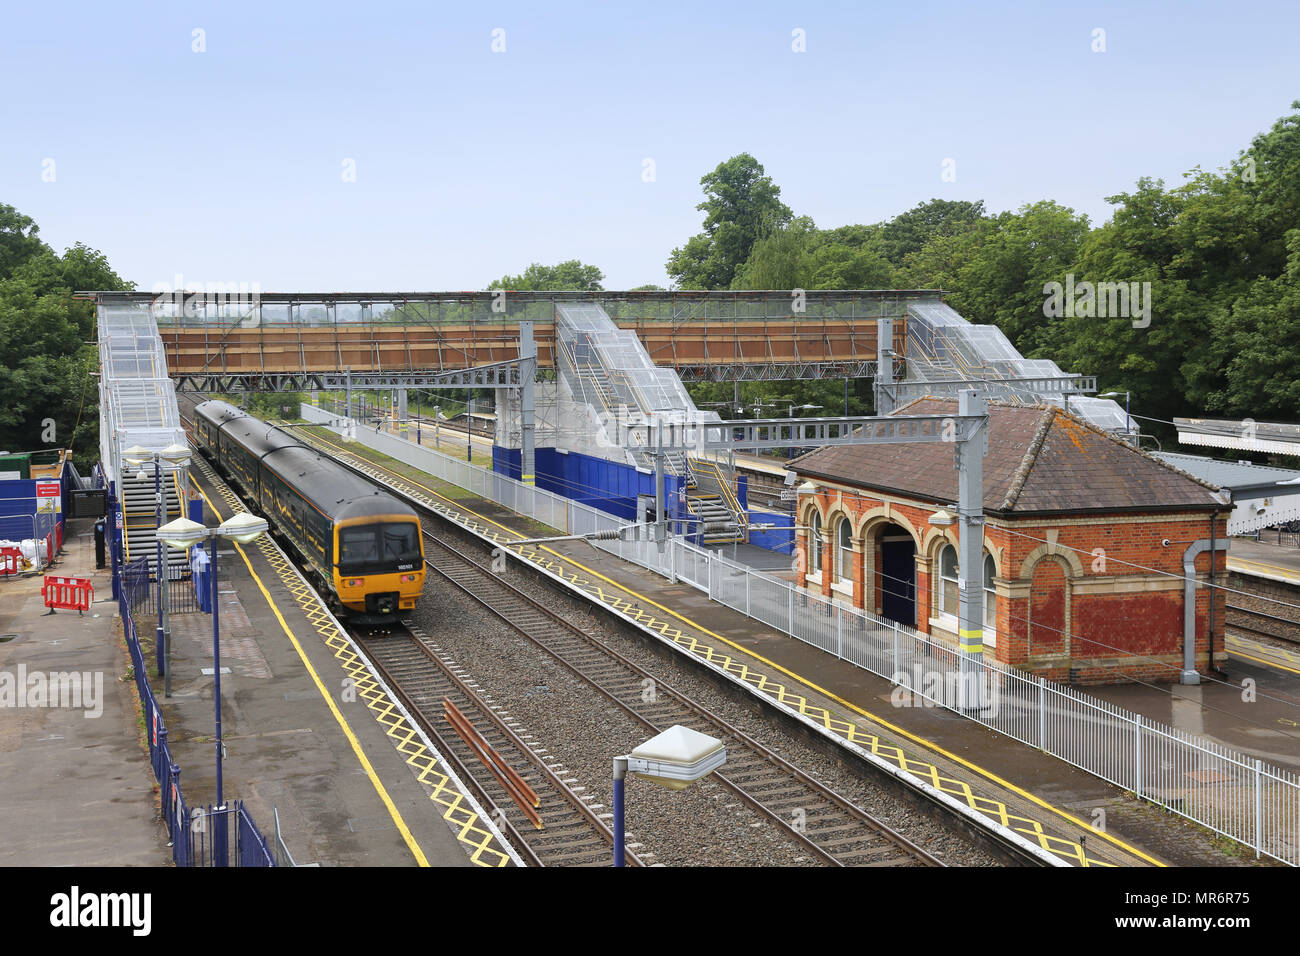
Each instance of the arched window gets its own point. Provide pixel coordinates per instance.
(990, 601)
(949, 598)
(845, 562)
(949, 601)
(815, 545)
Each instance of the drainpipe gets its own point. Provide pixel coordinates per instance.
(1195, 549)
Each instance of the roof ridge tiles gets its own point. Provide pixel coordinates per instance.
(1030, 458)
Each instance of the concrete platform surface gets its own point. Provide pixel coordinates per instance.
(285, 748)
(76, 788)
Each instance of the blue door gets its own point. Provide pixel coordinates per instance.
(898, 579)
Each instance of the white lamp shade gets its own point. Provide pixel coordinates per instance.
(177, 454)
(137, 454)
(807, 488)
(182, 533)
(941, 518)
(677, 757)
(243, 527)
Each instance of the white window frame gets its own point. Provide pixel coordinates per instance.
(843, 554)
(951, 622)
(815, 549)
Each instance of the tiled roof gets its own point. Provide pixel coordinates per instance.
(1040, 459)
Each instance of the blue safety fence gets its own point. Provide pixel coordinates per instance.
(200, 836)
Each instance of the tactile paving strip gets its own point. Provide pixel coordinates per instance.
(481, 844)
(619, 600)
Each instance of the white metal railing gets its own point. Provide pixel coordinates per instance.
(1218, 787)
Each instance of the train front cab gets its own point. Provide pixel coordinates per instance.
(380, 566)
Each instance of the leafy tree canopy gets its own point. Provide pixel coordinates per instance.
(562, 277)
(47, 350)
(741, 203)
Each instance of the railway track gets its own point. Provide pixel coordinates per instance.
(419, 674)
(832, 829)
(1260, 624)
(829, 827)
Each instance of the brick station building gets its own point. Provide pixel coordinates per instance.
(1066, 505)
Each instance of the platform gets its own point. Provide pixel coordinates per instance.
(1260, 559)
(76, 788)
(308, 730)
(1046, 800)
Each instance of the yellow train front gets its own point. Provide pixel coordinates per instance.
(379, 556)
(360, 545)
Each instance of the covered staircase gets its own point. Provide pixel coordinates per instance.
(140, 516)
(609, 369)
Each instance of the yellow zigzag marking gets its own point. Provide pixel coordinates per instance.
(847, 729)
(405, 739)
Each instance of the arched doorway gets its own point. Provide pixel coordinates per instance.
(896, 574)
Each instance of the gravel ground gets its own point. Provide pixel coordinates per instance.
(703, 825)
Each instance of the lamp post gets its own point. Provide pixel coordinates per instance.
(242, 528)
(178, 455)
(674, 759)
(437, 437)
(1128, 421)
(469, 429)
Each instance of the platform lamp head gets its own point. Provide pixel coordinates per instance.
(182, 533)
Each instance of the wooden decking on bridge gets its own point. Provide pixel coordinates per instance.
(385, 347)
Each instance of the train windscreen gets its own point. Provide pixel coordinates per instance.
(390, 546)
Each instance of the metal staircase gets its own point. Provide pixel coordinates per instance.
(140, 516)
(715, 501)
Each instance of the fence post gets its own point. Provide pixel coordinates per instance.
(791, 593)
(1259, 807)
(1137, 783)
(898, 650)
(173, 824)
(839, 632)
(747, 576)
(1042, 713)
(708, 569)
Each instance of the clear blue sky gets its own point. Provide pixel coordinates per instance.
(227, 165)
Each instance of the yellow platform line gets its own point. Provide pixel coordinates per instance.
(459, 815)
(1232, 639)
(1246, 564)
(847, 729)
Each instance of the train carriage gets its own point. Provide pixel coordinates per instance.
(360, 543)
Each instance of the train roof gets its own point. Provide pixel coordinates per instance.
(335, 490)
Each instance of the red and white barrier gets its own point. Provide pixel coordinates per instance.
(11, 561)
(73, 594)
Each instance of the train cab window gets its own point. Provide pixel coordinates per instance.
(393, 546)
(358, 544)
(400, 541)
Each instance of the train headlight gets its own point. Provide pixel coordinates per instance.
(355, 582)
(408, 578)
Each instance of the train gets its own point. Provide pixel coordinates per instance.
(360, 545)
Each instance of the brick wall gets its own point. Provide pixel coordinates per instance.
(1087, 598)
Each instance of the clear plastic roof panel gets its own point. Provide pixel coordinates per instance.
(943, 347)
(137, 399)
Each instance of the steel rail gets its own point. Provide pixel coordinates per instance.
(383, 650)
(757, 752)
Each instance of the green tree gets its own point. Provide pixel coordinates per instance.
(777, 259)
(1259, 336)
(741, 204)
(562, 277)
(908, 232)
(47, 349)
(19, 240)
